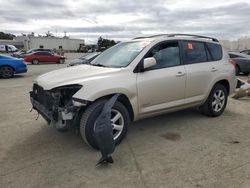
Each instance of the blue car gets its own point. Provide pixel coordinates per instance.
(10, 66)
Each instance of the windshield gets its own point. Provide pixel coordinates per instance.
(121, 55)
(89, 56)
(29, 51)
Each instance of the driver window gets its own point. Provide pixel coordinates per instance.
(166, 55)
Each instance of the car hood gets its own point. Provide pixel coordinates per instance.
(73, 75)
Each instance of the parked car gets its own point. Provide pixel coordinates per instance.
(19, 54)
(23, 53)
(44, 56)
(153, 75)
(8, 48)
(84, 59)
(10, 66)
(245, 52)
(242, 62)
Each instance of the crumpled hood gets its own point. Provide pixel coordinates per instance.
(72, 75)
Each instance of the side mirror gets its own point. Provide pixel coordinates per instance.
(149, 62)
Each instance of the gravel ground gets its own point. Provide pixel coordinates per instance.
(182, 149)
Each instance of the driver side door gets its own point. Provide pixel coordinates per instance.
(162, 86)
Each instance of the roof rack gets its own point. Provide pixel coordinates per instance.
(177, 34)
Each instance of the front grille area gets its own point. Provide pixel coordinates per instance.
(42, 96)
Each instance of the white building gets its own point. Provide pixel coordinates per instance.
(240, 44)
(65, 43)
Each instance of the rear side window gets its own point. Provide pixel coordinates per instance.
(194, 52)
(215, 50)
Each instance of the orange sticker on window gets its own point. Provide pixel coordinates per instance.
(190, 46)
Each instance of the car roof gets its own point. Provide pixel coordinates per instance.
(240, 54)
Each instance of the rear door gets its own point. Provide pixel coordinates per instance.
(200, 69)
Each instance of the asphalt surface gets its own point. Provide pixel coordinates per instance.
(181, 149)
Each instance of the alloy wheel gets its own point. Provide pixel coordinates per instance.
(218, 102)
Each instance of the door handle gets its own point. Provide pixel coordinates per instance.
(213, 69)
(180, 74)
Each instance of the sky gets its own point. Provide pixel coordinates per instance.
(125, 19)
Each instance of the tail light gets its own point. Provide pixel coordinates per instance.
(231, 61)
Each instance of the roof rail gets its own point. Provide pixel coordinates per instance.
(178, 34)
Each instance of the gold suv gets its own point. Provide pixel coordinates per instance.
(154, 75)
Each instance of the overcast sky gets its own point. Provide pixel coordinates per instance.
(124, 19)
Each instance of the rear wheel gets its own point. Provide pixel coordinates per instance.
(216, 101)
(119, 118)
(35, 61)
(6, 71)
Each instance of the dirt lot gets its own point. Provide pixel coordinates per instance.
(182, 149)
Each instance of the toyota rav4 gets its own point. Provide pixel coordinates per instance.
(153, 75)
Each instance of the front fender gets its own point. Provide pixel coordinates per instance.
(125, 84)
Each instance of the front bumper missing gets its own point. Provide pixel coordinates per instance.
(49, 115)
(46, 114)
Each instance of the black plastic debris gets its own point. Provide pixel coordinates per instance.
(103, 132)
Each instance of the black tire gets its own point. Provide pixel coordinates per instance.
(208, 108)
(88, 119)
(61, 61)
(35, 62)
(237, 70)
(6, 72)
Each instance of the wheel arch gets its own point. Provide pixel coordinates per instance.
(123, 99)
(225, 83)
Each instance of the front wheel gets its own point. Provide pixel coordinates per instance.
(61, 61)
(119, 118)
(6, 72)
(216, 101)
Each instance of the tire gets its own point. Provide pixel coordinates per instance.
(35, 62)
(237, 70)
(61, 61)
(6, 72)
(216, 101)
(92, 112)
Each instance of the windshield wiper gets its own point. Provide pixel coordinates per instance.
(99, 65)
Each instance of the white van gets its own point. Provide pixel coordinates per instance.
(7, 48)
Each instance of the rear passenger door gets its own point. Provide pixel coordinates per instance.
(200, 69)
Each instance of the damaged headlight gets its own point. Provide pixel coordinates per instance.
(64, 94)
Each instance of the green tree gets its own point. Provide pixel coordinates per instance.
(104, 43)
(7, 36)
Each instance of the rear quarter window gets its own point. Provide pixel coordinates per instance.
(215, 50)
(194, 52)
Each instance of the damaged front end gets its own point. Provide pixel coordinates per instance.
(56, 106)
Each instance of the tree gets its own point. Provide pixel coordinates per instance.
(104, 43)
(7, 36)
